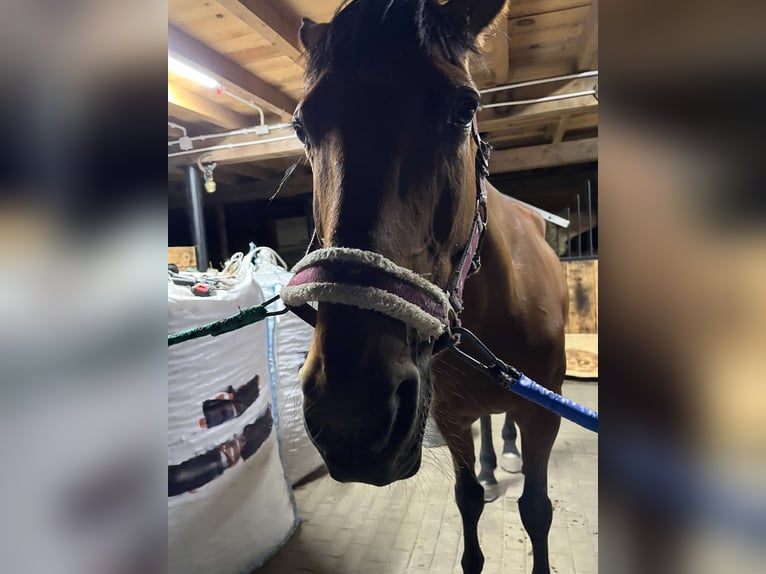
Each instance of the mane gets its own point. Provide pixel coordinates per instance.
(369, 30)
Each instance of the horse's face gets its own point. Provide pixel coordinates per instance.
(386, 121)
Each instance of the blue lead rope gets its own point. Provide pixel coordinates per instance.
(513, 380)
(547, 399)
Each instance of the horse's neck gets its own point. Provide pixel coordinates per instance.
(497, 252)
(521, 273)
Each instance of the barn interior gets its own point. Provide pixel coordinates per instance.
(235, 75)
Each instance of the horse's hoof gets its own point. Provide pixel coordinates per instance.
(510, 462)
(491, 491)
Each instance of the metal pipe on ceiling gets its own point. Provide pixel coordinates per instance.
(233, 145)
(239, 132)
(541, 81)
(177, 127)
(538, 100)
(228, 92)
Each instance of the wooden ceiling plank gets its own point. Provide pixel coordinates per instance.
(181, 100)
(546, 36)
(537, 22)
(549, 155)
(498, 52)
(582, 121)
(519, 8)
(253, 54)
(546, 54)
(227, 71)
(587, 48)
(277, 24)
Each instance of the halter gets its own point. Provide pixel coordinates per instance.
(367, 280)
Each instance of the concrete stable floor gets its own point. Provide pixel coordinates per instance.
(414, 526)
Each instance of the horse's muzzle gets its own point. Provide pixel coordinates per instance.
(375, 442)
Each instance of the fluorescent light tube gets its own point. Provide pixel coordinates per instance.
(190, 73)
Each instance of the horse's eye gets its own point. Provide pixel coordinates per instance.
(464, 110)
(300, 132)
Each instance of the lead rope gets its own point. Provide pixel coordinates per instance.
(245, 317)
(511, 379)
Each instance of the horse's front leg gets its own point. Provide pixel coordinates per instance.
(469, 494)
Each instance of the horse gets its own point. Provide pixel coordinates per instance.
(388, 122)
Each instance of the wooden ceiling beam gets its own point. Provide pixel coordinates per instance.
(520, 8)
(186, 105)
(558, 135)
(587, 46)
(275, 22)
(564, 153)
(229, 73)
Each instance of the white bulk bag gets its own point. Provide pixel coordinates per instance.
(289, 344)
(229, 504)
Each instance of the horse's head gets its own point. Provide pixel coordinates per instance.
(386, 121)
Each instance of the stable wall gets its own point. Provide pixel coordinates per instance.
(582, 321)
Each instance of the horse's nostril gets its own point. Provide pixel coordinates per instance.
(407, 397)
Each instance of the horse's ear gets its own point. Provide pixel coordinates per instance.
(476, 15)
(311, 33)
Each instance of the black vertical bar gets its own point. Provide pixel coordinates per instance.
(223, 236)
(569, 232)
(590, 218)
(197, 216)
(558, 240)
(579, 228)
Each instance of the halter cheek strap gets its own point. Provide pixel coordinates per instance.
(470, 261)
(368, 280)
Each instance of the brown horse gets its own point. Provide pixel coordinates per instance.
(386, 120)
